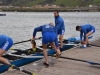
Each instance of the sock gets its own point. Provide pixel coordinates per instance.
(84, 45)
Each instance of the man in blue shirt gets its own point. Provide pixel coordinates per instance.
(49, 36)
(87, 30)
(60, 27)
(5, 44)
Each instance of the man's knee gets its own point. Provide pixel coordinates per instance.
(87, 35)
(44, 46)
(2, 52)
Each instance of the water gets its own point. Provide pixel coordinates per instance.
(20, 25)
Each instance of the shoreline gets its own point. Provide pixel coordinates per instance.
(51, 9)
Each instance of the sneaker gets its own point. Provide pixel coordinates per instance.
(88, 45)
(61, 49)
(47, 65)
(82, 47)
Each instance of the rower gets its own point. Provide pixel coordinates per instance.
(5, 44)
(49, 36)
(87, 30)
(60, 27)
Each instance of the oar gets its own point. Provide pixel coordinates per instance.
(25, 56)
(27, 40)
(27, 51)
(94, 45)
(22, 70)
(89, 62)
(22, 41)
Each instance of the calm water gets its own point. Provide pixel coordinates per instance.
(20, 25)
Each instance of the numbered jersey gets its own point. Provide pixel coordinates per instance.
(43, 29)
(48, 28)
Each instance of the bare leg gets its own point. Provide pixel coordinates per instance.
(3, 59)
(61, 40)
(87, 41)
(45, 53)
(53, 45)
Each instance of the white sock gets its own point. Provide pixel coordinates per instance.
(84, 45)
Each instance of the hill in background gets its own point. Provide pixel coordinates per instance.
(71, 3)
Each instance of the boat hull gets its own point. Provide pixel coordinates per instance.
(2, 14)
(25, 61)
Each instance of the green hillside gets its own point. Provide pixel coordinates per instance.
(67, 2)
(77, 2)
(57, 2)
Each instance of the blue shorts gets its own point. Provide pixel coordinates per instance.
(61, 32)
(6, 45)
(48, 37)
(92, 30)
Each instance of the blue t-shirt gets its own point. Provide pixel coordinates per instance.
(44, 29)
(3, 39)
(59, 24)
(85, 29)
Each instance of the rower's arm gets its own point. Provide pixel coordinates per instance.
(85, 32)
(58, 25)
(56, 42)
(81, 35)
(37, 29)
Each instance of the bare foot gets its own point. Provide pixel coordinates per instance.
(10, 69)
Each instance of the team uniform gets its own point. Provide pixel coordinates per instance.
(59, 25)
(48, 33)
(85, 29)
(5, 42)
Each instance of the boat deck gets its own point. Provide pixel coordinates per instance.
(67, 67)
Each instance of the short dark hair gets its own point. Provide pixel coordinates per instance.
(56, 11)
(78, 27)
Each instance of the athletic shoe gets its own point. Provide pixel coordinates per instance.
(88, 45)
(47, 65)
(61, 49)
(82, 47)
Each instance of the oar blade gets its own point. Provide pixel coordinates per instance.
(93, 63)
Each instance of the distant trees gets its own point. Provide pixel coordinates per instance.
(27, 2)
(6, 2)
(84, 2)
(50, 1)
